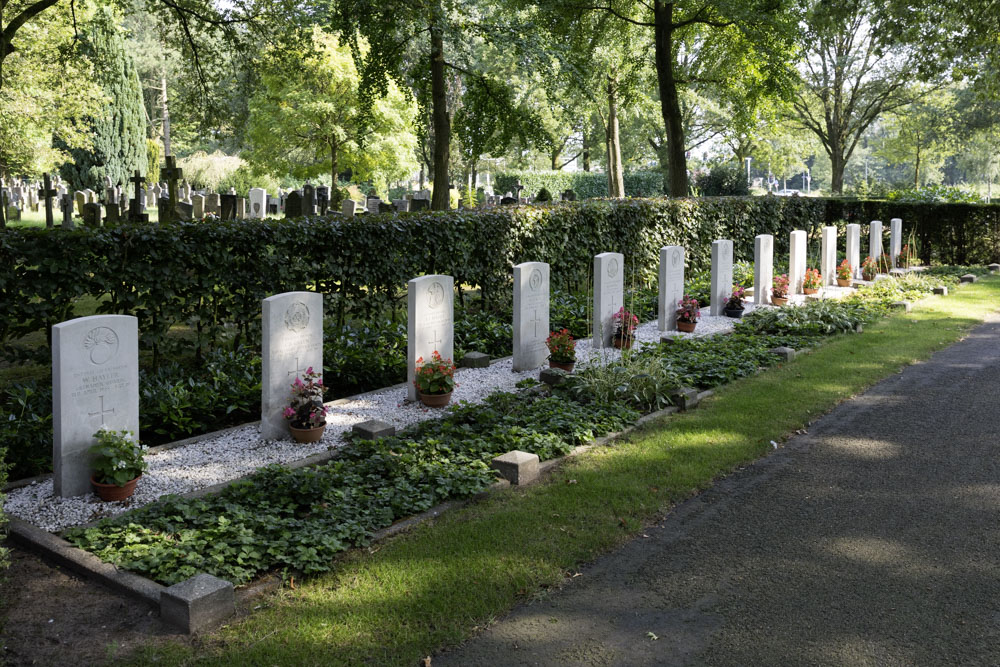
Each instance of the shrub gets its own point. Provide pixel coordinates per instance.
(723, 180)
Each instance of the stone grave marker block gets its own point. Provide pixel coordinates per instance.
(213, 203)
(854, 249)
(722, 275)
(66, 205)
(349, 208)
(828, 256)
(531, 314)
(420, 204)
(95, 383)
(875, 239)
(292, 342)
(92, 214)
(241, 208)
(796, 261)
(322, 199)
(609, 284)
(258, 203)
(198, 206)
(198, 604)
(895, 238)
(671, 286)
(293, 205)
(517, 467)
(308, 199)
(430, 323)
(228, 204)
(763, 268)
(80, 200)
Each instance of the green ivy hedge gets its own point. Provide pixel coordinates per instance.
(586, 184)
(212, 277)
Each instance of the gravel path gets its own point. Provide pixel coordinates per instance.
(871, 540)
(241, 451)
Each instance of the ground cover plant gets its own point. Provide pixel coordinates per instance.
(435, 585)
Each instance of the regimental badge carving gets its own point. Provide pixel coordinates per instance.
(612, 267)
(101, 344)
(256, 207)
(297, 317)
(435, 295)
(535, 280)
(675, 260)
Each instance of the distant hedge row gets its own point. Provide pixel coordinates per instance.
(211, 277)
(586, 184)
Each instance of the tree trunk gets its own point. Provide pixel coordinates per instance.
(916, 171)
(616, 181)
(333, 166)
(166, 116)
(586, 148)
(837, 172)
(440, 199)
(670, 107)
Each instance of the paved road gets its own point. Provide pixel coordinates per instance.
(873, 540)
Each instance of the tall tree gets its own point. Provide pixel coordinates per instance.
(119, 128)
(919, 133)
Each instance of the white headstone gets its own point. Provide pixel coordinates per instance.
(609, 284)
(722, 275)
(95, 382)
(90, 195)
(372, 204)
(763, 268)
(531, 314)
(828, 256)
(796, 261)
(349, 208)
(197, 206)
(258, 203)
(430, 323)
(292, 328)
(671, 288)
(854, 249)
(875, 239)
(402, 205)
(80, 199)
(895, 239)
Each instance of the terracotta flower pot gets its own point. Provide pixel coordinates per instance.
(779, 300)
(307, 435)
(622, 342)
(810, 290)
(843, 283)
(434, 400)
(686, 327)
(868, 276)
(113, 492)
(562, 365)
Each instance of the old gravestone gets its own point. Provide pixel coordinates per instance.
(66, 206)
(292, 336)
(322, 199)
(258, 203)
(95, 382)
(90, 195)
(895, 239)
(308, 199)
(47, 192)
(875, 239)
(92, 214)
(402, 205)
(854, 249)
(276, 205)
(228, 203)
(371, 204)
(671, 286)
(430, 323)
(112, 215)
(80, 200)
(293, 205)
(531, 314)
(420, 204)
(796, 261)
(184, 211)
(609, 283)
(349, 208)
(763, 268)
(722, 275)
(828, 255)
(197, 206)
(241, 209)
(213, 204)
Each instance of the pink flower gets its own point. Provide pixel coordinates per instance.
(289, 413)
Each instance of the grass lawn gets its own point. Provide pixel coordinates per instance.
(407, 597)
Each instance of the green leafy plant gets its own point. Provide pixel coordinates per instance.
(562, 347)
(869, 268)
(779, 286)
(117, 458)
(688, 309)
(306, 409)
(643, 382)
(736, 298)
(436, 376)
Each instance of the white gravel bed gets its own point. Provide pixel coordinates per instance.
(241, 451)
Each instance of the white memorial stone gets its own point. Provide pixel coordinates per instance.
(854, 249)
(80, 200)
(430, 323)
(875, 239)
(292, 328)
(671, 279)
(95, 382)
(828, 256)
(722, 275)
(609, 284)
(796, 261)
(349, 208)
(531, 314)
(258, 203)
(763, 268)
(197, 206)
(895, 239)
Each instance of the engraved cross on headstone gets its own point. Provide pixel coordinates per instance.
(48, 192)
(436, 340)
(535, 321)
(102, 411)
(298, 368)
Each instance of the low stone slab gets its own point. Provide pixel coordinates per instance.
(943, 291)
(197, 604)
(904, 306)
(859, 329)
(517, 467)
(785, 353)
(373, 429)
(968, 278)
(475, 360)
(684, 398)
(553, 376)
(994, 268)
